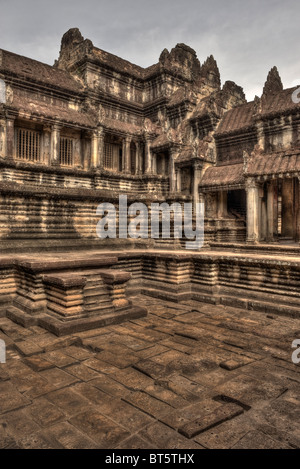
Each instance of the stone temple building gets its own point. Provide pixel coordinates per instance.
(95, 126)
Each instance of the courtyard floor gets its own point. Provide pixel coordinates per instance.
(188, 376)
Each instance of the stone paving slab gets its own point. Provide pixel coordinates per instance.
(189, 376)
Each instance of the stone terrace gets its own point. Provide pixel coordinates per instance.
(188, 376)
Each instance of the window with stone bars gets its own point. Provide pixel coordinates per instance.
(108, 156)
(112, 157)
(28, 145)
(66, 151)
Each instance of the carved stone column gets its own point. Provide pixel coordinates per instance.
(222, 204)
(101, 136)
(55, 144)
(196, 181)
(127, 165)
(178, 179)
(252, 190)
(148, 156)
(46, 152)
(2, 138)
(10, 135)
(137, 157)
(172, 174)
(95, 149)
(270, 211)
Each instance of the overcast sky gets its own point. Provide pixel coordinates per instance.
(246, 38)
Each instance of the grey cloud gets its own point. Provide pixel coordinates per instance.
(246, 38)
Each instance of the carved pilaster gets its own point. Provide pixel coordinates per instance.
(55, 144)
(252, 190)
(10, 137)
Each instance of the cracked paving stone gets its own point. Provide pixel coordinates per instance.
(184, 387)
(152, 351)
(59, 359)
(180, 417)
(38, 441)
(82, 372)
(150, 405)
(58, 377)
(226, 434)
(165, 395)
(135, 442)
(70, 437)
(151, 369)
(117, 410)
(28, 348)
(45, 413)
(38, 363)
(101, 429)
(120, 361)
(169, 357)
(231, 365)
(220, 415)
(132, 379)
(19, 423)
(4, 376)
(10, 398)
(108, 385)
(77, 352)
(68, 401)
(164, 437)
(100, 366)
(248, 390)
(258, 440)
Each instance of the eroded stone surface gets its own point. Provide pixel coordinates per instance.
(70, 397)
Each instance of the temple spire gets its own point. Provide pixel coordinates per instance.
(273, 84)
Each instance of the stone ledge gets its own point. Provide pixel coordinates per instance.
(80, 325)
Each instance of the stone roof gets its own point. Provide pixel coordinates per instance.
(229, 175)
(244, 116)
(40, 108)
(278, 102)
(274, 163)
(120, 126)
(117, 63)
(186, 155)
(22, 67)
(237, 118)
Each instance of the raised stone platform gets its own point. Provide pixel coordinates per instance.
(67, 293)
(71, 291)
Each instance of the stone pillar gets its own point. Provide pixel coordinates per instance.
(154, 163)
(2, 138)
(10, 137)
(172, 175)
(196, 181)
(137, 157)
(270, 211)
(127, 158)
(95, 149)
(222, 204)
(46, 152)
(101, 136)
(178, 179)
(252, 211)
(55, 144)
(148, 156)
(263, 217)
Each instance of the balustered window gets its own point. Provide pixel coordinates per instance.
(66, 151)
(28, 145)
